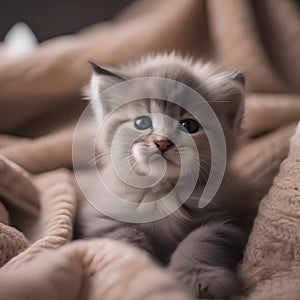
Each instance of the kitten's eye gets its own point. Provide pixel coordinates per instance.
(142, 123)
(190, 125)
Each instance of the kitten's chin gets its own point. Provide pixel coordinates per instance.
(173, 171)
(143, 167)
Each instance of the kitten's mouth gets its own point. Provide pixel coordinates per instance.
(167, 157)
(173, 163)
(146, 157)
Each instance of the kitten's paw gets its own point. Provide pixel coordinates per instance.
(208, 282)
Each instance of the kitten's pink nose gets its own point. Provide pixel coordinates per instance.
(163, 145)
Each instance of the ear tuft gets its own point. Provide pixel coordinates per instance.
(102, 79)
(105, 71)
(96, 68)
(228, 88)
(240, 76)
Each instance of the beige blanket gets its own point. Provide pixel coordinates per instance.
(36, 266)
(39, 106)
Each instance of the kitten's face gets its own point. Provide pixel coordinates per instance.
(150, 129)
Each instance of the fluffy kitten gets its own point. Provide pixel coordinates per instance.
(201, 246)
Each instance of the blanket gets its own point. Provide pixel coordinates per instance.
(271, 262)
(36, 266)
(40, 104)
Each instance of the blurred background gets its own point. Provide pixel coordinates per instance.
(49, 19)
(41, 83)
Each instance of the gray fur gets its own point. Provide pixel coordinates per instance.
(200, 246)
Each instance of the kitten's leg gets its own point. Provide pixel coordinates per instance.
(91, 224)
(205, 261)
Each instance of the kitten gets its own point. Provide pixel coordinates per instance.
(201, 246)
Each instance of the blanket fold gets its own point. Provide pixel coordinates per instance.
(77, 271)
(271, 266)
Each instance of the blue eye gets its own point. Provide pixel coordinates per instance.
(142, 123)
(189, 125)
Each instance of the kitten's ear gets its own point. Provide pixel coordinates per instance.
(102, 79)
(228, 89)
(107, 71)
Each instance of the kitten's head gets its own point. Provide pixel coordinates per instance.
(151, 128)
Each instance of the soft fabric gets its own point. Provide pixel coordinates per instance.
(271, 266)
(49, 79)
(39, 106)
(43, 208)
